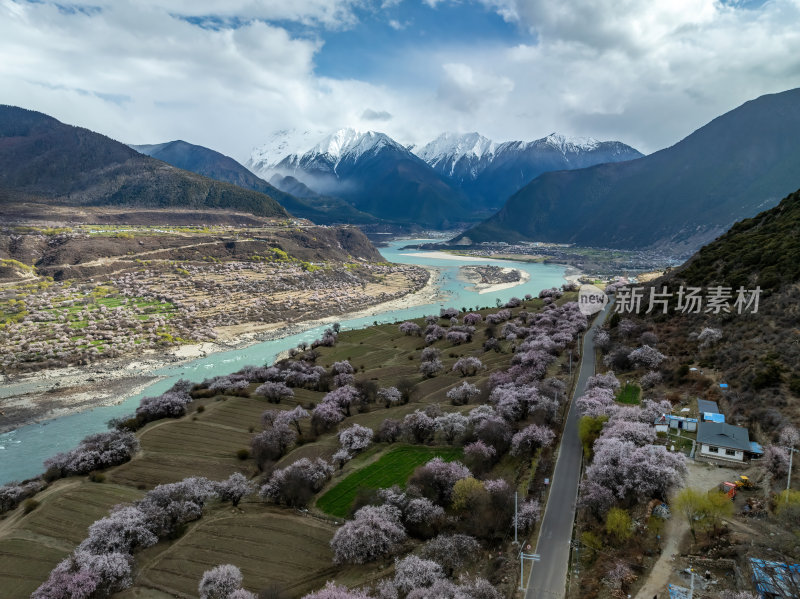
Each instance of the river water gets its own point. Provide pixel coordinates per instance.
(23, 450)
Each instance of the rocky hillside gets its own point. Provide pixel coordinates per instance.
(72, 255)
(757, 354)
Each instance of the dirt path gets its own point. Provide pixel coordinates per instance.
(105, 260)
(700, 476)
(656, 584)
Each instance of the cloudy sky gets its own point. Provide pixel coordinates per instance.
(228, 73)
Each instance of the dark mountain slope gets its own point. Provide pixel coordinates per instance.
(377, 175)
(740, 163)
(756, 354)
(210, 163)
(45, 159)
(763, 250)
(490, 173)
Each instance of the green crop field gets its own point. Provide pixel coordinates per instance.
(629, 394)
(393, 468)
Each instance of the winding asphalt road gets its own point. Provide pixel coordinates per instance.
(548, 577)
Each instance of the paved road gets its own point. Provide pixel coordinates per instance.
(548, 577)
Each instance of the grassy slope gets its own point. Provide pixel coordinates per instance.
(268, 543)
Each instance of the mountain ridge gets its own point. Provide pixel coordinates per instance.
(490, 172)
(479, 172)
(377, 175)
(738, 164)
(44, 159)
(210, 163)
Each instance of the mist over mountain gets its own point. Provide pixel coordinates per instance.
(210, 163)
(376, 175)
(456, 178)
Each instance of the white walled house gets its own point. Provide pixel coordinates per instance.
(722, 443)
(661, 423)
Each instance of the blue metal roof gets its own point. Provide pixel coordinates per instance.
(676, 592)
(755, 447)
(712, 417)
(776, 579)
(684, 418)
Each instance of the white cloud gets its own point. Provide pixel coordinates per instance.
(376, 115)
(647, 72)
(467, 89)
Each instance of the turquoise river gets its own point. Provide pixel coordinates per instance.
(23, 450)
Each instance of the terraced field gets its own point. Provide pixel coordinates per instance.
(269, 544)
(393, 468)
(32, 544)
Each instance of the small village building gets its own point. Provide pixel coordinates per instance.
(661, 423)
(677, 423)
(722, 443)
(682, 423)
(709, 411)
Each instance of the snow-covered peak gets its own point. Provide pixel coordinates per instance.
(571, 144)
(281, 144)
(455, 146)
(351, 143)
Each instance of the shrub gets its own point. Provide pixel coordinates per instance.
(297, 483)
(619, 524)
(29, 505)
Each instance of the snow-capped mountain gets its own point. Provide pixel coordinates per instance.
(456, 174)
(489, 172)
(281, 144)
(371, 171)
(346, 146)
(450, 148)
